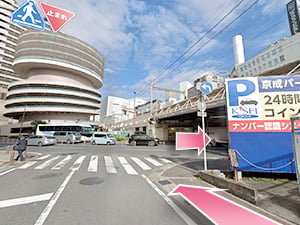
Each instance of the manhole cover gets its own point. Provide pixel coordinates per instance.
(48, 175)
(164, 182)
(91, 181)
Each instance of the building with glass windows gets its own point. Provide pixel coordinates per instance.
(8, 40)
(281, 57)
(60, 75)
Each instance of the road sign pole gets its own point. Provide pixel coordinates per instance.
(203, 128)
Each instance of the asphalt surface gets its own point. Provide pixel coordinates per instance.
(278, 198)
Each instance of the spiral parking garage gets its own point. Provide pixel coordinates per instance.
(61, 77)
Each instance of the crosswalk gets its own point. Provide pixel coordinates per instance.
(95, 162)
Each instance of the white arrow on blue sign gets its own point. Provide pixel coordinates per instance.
(206, 87)
(28, 15)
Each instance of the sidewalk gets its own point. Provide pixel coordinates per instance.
(280, 198)
(7, 156)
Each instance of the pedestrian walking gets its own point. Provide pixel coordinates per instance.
(22, 145)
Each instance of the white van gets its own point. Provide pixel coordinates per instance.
(67, 137)
(103, 138)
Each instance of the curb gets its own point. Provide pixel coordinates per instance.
(238, 189)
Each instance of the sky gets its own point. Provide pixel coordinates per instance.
(169, 41)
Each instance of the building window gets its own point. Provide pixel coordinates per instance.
(259, 68)
(274, 52)
(242, 69)
(282, 58)
(255, 70)
(263, 58)
(276, 61)
(268, 56)
(279, 49)
(249, 65)
(253, 63)
(264, 66)
(270, 64)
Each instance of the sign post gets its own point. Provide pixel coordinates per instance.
(295, 121)
(234, 163)
(205, 89)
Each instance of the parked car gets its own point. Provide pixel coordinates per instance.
(41, 140)
(143, 139)
(103, 138)
(67, 137)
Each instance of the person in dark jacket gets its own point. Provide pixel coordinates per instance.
(22, 145)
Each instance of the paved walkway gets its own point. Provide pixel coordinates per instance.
(280, 197)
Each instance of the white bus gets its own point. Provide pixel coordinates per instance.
(86, 131)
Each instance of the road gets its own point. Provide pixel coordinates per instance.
(85, 184)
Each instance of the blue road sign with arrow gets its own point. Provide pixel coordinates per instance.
(28, 15)
(206, 87)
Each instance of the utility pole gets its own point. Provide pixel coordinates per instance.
(151, 106)
(134, 112)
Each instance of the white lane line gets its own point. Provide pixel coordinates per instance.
(154, 162)
(7, 171)
(44, 157)
(109, 165)
(93, 165)
(62, 163)
(27, 165)
(165, 160)
(47, 163)
(140, 163)
(25, 200)
(129, 169)
(185, 217)
(43, 216)
(78, 163)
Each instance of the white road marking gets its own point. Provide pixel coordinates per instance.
(129, 169)
(154, 162)
(25, 200)
(62, 163)
(185, 217)
(93, 166)
(78, 163)
(140, 163)
(47, 163)
(44, 157)
(165, 160)
(27, 165)
(7, 171)
(109, 165)
(42, 218)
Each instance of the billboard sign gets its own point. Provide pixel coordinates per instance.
(259, 111)
(293, 9)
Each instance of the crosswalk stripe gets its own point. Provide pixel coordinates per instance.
(62, 163)
(93, 166)
(47, 163)
(165, 160)
(154, 162)
(44, 157)
(140, 163)
(27, 165)
(129, 169)
(109, 165)
(78, 163)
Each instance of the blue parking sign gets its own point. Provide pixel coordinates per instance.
(28, 15)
